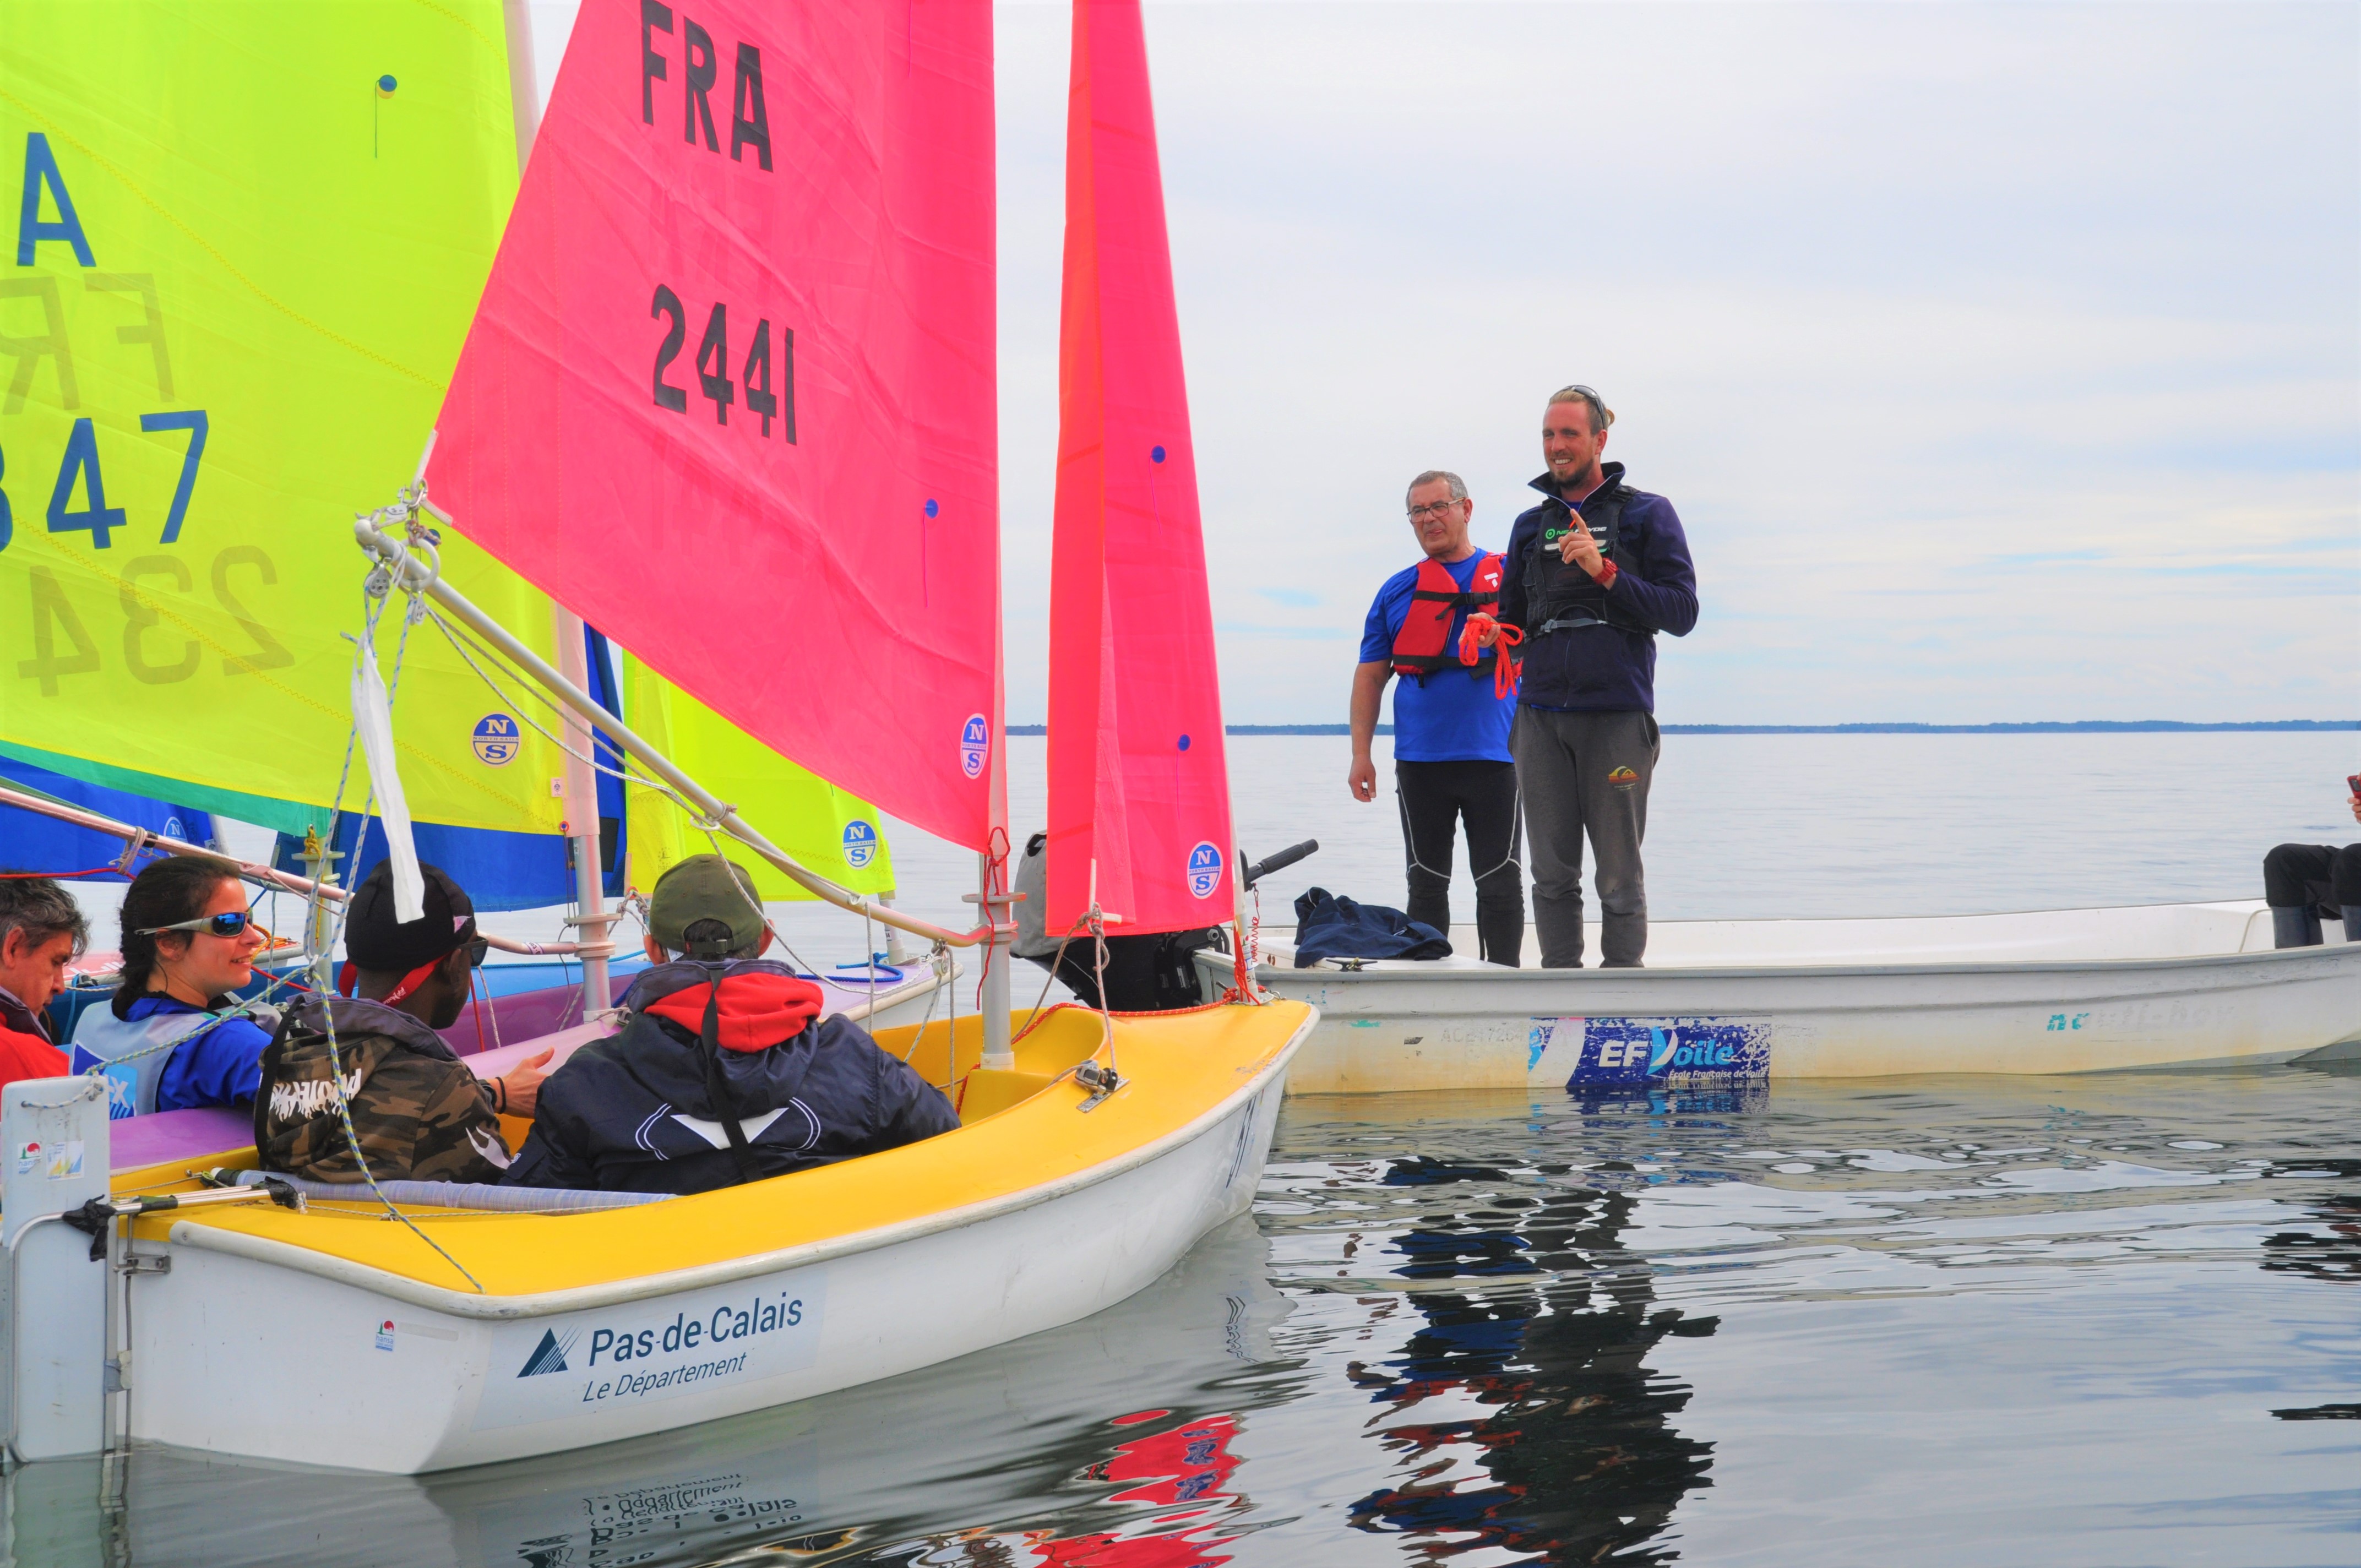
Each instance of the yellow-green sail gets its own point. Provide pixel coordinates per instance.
(838, 835)
(243, 244)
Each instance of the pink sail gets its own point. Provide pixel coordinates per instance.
(730, 392)
(1139, 786)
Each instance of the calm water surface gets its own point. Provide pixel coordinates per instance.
(2075, 1320)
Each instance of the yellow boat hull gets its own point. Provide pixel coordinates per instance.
(338, 1337)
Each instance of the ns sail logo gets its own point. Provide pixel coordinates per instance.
(1205, 870)
(497, 739)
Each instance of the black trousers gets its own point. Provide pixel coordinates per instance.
(1435, 798)
(2315, 876)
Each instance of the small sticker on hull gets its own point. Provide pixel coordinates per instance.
(1637, 1051)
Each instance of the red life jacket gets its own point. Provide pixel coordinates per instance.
(1422, 645)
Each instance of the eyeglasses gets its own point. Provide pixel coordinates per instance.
(476, 947)
(235, 923)
(1440, 509)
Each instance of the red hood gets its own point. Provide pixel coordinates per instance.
(757, 1012)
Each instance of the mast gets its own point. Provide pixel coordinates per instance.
(995, 899)
(581, 777)
(997, 907)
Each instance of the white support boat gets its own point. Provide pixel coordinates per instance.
(2050, 990)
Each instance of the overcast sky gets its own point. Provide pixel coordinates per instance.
(2003, 361)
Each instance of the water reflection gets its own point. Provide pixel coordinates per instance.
(2334, 1255)
(1536, 1424)
(1178, 1474)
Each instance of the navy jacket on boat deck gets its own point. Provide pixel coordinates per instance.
(1327, 926)
(1605, 669)
(637, 1112)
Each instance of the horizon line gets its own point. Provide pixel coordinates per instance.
(1880, 727)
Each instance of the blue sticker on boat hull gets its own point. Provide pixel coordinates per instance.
(1654, 1050)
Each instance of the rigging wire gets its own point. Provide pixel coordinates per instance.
(380, 580)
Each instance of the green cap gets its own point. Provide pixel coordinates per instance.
(705, 887)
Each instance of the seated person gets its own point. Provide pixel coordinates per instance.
(41, 931)
(2305, 883)
(420, 1115)
(721, 1074)
(189, 941)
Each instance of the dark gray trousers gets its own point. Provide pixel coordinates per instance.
(1587, 772)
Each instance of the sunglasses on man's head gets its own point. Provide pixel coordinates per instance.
(234, 924)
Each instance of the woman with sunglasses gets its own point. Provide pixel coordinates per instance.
(188, 942)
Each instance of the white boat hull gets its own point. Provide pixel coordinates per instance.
(1043, 1406)
(2068, 991)
(254, 1347)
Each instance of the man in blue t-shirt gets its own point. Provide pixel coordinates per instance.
(1451, 762)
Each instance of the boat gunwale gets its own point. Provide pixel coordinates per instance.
(492, 1308)
(1494, 974)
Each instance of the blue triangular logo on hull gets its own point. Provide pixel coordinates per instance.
(549, 1356)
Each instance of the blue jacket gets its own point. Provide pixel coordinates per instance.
(1327, 926)
(1604, 669)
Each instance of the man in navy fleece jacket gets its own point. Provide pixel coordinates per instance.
(1593, 573)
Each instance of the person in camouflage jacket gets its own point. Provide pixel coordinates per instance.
(421, 1115)
(419, 1112)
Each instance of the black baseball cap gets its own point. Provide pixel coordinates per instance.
(376, 940)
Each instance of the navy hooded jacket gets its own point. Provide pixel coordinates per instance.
(1604, 669)
(1327, 926)
(635, 1111)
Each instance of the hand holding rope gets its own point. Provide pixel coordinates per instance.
(1483, 631)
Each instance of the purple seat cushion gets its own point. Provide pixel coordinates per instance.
(178, 1136)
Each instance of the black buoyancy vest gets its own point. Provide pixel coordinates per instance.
(1422, 645)
(1561, 596)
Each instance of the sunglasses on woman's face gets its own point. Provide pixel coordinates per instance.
(234, 924)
